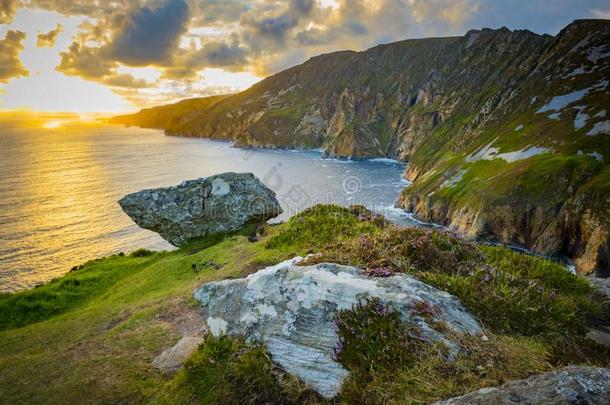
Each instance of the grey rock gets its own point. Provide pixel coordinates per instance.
(221, 203)
(571, 385)
(171, 360)
(291, 309)
(601, 284)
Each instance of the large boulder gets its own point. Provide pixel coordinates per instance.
(221, 203)
(571, 385)
(291, 309)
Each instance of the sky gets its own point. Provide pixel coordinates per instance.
(122, 55)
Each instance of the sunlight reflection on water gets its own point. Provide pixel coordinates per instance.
(59, 187)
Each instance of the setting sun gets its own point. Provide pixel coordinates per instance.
(53, 124)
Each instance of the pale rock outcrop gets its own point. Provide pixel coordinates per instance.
(221, 203)
(571, 385)
(291, 309)
(171, 360)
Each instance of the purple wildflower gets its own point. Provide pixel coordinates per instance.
(379, 272)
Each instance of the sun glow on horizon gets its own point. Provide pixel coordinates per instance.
(53, 124)
(46, 89)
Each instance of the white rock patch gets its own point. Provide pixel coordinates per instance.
(597, 52)
(454, 180)
(291, 309)
(581, 117)
(522, 154)
(220, 187)
(598, 156)
(558, 103)
(602, 127)
(487, 152)
(582, 43)
(518, 127)
(217, 326)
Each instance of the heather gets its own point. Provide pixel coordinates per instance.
(97, 329)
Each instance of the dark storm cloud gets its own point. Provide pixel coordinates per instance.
(226, 54)
(90, 64)
(149, 36)
(265, 29)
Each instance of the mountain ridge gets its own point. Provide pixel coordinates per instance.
(503, 130)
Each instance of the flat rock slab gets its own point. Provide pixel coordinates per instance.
(571, 385)
(171, 360)
(221, 203)
(291, 309)
(601, 284)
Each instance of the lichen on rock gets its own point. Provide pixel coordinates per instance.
(221, 203)
(291, 309)
(571, 385)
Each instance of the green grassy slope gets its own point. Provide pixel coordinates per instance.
(439, 103)
(92, 334)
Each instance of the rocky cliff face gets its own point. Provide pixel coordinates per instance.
(506, 132)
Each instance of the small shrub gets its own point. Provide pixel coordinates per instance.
(206, 265)
(389, 362)
(372, 336)
(229, 371)
(379, 271)
(509, 292)
(408, 250)
(142, 253)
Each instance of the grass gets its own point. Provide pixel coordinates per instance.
(68, 292)
(512, 294)
(390, 363)
(227, 370)
(94, 332)
(323, 224)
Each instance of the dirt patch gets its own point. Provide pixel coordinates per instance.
(188, 323)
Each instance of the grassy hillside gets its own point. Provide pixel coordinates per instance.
(92, 334)
(506, 132)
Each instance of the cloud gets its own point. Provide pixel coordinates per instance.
(225, 54)
(48, 40)
(10, 64)
(603, 14)
(264, 29)
(150, 35)
(8, 8)
(90, 64)
(179, 39)
(217, 12)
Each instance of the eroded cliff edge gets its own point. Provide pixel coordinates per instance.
(506, 132)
